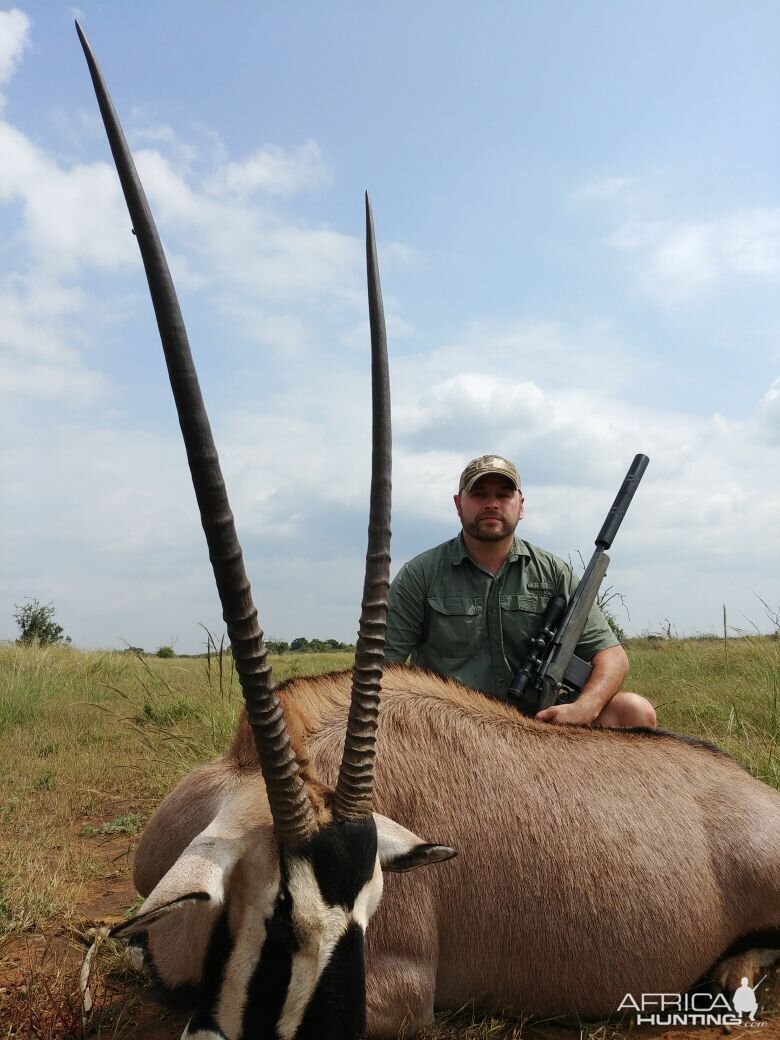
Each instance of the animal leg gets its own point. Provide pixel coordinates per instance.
(730, 972)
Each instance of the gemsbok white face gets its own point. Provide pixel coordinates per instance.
(265, 944)
(260, 922)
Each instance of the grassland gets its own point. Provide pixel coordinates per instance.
(90, 742)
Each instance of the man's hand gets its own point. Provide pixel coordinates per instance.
(610, 668)
(576, 714)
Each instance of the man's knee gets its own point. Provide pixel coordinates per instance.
(626, 710)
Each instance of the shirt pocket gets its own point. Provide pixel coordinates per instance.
(521, 614)
(454, 626)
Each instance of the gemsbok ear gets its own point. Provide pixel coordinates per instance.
(143, 921)
(180, 914)
(401, 849)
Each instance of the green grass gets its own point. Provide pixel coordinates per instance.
(726, 693)
(91, 742)
(130, 823)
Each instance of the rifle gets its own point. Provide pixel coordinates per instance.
(552, 667)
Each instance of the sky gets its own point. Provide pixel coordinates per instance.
(578, 219)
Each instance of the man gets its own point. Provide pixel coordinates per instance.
(470, 607)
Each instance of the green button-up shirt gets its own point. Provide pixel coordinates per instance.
(451, 615)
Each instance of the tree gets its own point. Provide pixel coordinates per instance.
(604, 601)
(36, 624)
(166, 651)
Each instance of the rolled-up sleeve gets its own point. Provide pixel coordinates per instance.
(406, 614)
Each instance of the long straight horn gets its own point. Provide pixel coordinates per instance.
(293, 815)
(356, 775)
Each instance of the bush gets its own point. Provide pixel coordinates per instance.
(166, 651)
(36, 624)
(277, 646)
(302, 645)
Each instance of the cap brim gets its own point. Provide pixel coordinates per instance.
(489, 473)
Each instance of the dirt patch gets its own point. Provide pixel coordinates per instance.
(40, 997)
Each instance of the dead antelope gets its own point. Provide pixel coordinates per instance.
(593, 863)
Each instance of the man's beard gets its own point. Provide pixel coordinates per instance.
(493, 534)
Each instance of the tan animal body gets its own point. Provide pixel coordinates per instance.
(592, 863)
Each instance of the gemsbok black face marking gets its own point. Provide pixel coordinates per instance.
(314, 947)
(262, 924)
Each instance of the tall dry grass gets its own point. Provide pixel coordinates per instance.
(91, 738)
(727, 692)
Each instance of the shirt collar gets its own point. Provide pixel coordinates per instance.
(459, 552)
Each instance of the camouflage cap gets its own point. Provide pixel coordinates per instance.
(484, 465)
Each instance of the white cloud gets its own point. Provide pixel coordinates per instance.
(285, 261)
(403, 256)
(75, 217)
(477, 402)
(247, 246)
(126, 490)
(769, 413)
(681, 262)
(47, 382)
(705, 514)
(72, 217)
(74, 220)
(273, 170)
(183, 152)
(507, 352)
(288, 335)
(605, 189)
(41, 341)
(14, 39)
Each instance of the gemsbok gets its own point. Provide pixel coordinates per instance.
(592, 863)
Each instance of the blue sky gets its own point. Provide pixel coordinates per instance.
(579, 238)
